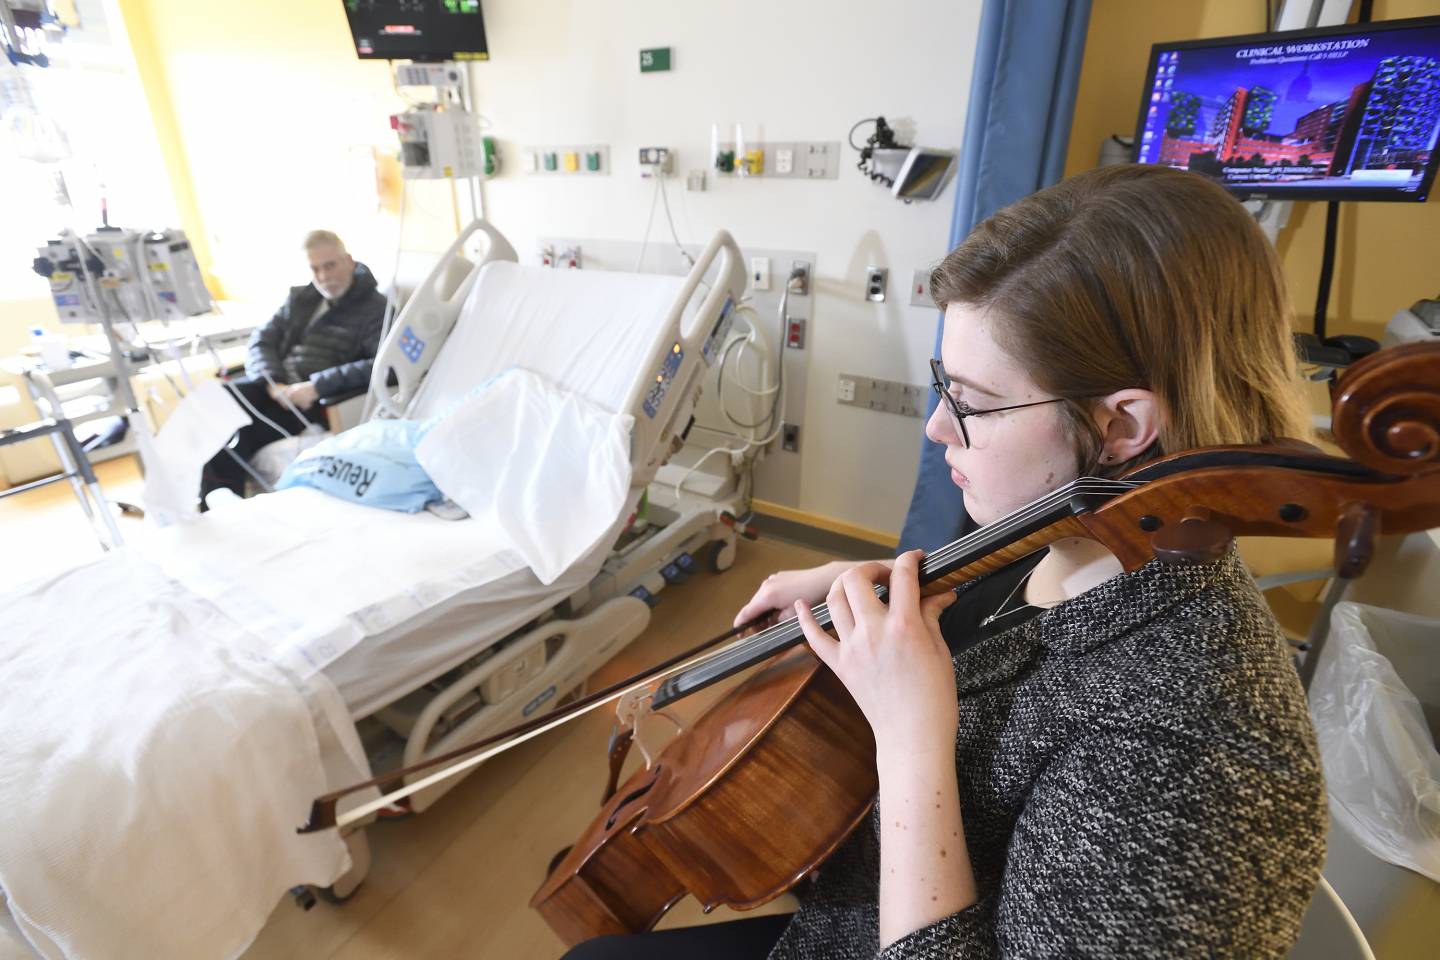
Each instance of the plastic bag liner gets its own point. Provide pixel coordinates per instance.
(1375, 699)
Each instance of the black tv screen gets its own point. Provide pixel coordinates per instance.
(426, 31)
(1339, 113)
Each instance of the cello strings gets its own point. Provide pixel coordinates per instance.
(724, 657)
(736, 652)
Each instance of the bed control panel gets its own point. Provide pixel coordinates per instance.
(716, 340)
(655, 396)
(411, 345)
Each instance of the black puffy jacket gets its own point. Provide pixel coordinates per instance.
(337, 354)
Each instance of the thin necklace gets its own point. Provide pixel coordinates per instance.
(997, 615)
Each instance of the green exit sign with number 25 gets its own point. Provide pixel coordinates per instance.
(653, 61)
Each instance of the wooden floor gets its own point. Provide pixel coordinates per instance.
(44, 530)
(455, 881)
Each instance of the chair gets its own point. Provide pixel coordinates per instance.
(1328, 931)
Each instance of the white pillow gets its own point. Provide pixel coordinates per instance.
(547, 468)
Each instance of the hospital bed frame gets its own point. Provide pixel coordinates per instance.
(539, 666)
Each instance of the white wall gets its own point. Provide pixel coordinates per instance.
(566, 71)
(278, 120)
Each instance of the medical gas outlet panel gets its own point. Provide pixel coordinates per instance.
(437, 144)
(591, 159)
(791, 160)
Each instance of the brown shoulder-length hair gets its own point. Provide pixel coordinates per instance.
(1139, 276)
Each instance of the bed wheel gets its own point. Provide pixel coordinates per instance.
(329, 895)
(722, 555)
(345, 886)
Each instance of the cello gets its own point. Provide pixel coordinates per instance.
(713, 814)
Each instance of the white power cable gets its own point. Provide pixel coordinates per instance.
(777, 405)
(649, 223)
(284, 398)
(238, 395)
(392, 303)
(674, 234)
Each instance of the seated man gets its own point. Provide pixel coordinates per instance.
(321, 343)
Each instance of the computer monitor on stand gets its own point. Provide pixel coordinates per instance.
(1348, 112)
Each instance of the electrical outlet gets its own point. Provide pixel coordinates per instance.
(795, 333)
(920, 289)
(695, 181)
(790, 437)
(875, 280)
(846, 390)
(784, 161)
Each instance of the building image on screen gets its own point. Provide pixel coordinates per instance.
(1356, 113)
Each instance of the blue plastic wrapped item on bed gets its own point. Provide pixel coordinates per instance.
(372, 464)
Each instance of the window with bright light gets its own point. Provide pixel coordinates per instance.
(76, 139)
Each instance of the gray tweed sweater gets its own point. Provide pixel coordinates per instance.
(1138, 777)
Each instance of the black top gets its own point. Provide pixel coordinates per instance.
(961, 625)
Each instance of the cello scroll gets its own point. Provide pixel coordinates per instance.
(1387, 410)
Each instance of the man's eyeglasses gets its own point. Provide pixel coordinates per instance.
(941, 383)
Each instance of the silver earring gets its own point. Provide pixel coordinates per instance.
(1109, 457)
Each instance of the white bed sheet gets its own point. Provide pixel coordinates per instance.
(382, 602)
(316, 576)
(588, 331)
(389, 664)
(124, 837)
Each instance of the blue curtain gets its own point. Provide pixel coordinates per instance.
(1022, 98)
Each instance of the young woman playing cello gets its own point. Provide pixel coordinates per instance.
(1072, 760)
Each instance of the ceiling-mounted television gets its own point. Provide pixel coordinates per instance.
(426, 31)
(1338, 113)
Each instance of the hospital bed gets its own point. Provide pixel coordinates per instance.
(429, 678)
(427, 632)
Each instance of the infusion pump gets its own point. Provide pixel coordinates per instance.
(125, 274)
(437, 144)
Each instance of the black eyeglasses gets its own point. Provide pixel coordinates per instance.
(941, 383)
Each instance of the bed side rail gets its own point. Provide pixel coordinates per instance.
(416, 337)
(663, 401)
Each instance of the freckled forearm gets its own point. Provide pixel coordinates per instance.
(925, 870)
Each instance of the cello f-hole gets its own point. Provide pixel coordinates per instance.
(632, 795)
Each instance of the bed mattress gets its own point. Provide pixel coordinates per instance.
(379, 601)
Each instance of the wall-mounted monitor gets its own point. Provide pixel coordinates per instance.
(923, 174)
(427, 31)
(1338, 113)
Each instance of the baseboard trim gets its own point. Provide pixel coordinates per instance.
(826, 533)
